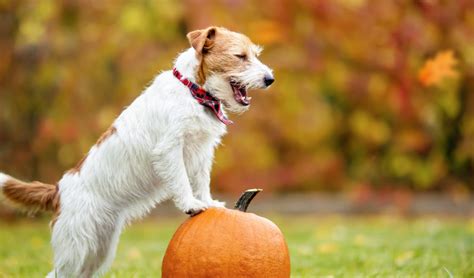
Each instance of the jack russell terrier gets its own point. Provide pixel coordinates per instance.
(161, 147)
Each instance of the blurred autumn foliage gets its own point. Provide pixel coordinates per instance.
(367, 93)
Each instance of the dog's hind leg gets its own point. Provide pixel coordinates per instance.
(82, 242)
(112, 248)
(52, 274)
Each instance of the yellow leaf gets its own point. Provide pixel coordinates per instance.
(304, 250)
(37, 242)
(134, 254)
(327, 248)
(471, 226)
(436, 69)
(404, 258)
(360, 240)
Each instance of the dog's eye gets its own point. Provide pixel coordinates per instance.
(242, 57)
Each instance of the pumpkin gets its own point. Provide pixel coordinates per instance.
(221, 242)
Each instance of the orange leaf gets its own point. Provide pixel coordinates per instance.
(436, 69)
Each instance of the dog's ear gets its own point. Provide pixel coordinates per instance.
(202, 40)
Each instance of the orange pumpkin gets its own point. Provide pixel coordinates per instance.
(222, 242)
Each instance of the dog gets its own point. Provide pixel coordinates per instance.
(159, 148)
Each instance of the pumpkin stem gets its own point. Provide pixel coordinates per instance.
(244, 200)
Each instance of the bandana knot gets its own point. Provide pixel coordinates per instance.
(203, 97)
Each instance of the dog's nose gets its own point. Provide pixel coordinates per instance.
(268, 80)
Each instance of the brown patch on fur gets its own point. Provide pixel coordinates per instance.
(32, 195)
(201, 76)
(109, 132)
(56, 208)
(77, 168)
(216, 48)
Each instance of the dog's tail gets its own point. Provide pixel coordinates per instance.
(32, 196)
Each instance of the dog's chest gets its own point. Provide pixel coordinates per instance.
(203, 125)
(203, 132)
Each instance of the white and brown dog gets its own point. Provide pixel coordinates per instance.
(160, 147)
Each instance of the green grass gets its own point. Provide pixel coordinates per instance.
(319, 246)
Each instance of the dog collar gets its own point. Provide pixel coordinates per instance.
(203, 97)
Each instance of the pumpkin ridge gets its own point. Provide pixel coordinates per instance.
(184, 229)
(233, 231)
(213, 224)
(196, 227)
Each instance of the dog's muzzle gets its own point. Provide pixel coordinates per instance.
(268, 80)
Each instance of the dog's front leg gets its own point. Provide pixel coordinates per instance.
(169, 167)
(199, 171)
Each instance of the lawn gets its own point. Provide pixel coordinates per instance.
(330, 246)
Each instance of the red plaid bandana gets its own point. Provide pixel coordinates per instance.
(203, 97)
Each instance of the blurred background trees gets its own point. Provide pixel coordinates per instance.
(368, 94)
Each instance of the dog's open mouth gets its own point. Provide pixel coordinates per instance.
(240, 93)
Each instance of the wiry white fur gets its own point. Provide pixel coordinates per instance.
(162, 149)
(3, 179)
(253, 76)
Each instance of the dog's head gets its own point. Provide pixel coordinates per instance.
(229, 66)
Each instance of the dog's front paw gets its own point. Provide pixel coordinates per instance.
(216, 203)
(194, 207)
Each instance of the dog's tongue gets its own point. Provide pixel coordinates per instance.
(240, 95)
